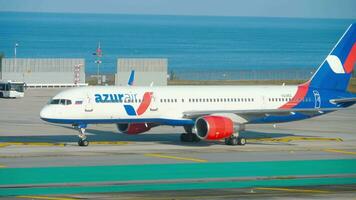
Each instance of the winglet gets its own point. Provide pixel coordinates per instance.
(132, 78)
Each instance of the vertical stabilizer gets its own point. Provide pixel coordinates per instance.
(336, 70)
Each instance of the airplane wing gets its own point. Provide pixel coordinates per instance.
(249, 115)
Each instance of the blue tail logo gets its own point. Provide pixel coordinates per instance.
(335, 72)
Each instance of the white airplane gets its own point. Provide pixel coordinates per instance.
(209, 112)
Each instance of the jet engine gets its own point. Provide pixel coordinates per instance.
(133, 128)
(214, 127)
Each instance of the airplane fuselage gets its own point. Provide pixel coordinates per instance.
(168, 105)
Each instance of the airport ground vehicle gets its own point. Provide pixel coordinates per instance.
(12, 89)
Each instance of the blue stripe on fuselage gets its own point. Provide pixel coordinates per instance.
(161, 121)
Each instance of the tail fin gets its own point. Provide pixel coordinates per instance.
(131, 80)
(336, 70)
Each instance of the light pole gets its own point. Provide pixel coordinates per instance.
(98, 54)
(15, 57)
(15, 49)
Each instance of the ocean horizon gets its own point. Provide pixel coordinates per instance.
(192, 44)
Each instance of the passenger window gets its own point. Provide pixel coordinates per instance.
(68, 102)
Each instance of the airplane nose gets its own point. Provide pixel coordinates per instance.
(44, 114)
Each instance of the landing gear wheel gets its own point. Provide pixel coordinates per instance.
(241, 141)
(83, 143)
(189, 137)
(233, 140)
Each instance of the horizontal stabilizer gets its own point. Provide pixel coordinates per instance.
(343, 100)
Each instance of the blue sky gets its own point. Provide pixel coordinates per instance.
(269, 8)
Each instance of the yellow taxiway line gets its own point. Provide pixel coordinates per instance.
(292, 190)
(174, 157)
(294, 138)
(46, 198)
(111, 142)
(5, 144)
(281, 139)
(340, 151)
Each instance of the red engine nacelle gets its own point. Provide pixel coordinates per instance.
(134, 128)
(214, 127)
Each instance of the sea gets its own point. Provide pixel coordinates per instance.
(197, 47)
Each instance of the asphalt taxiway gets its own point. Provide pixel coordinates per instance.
(27, 144)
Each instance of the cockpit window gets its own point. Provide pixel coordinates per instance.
(55, 101)
(60, 101)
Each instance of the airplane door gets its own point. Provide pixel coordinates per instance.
(317, 99)
(153, 105)
(263, 102)
(88, 104)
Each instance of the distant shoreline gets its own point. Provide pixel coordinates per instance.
(172, 15)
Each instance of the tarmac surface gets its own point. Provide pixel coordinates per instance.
(27, 143)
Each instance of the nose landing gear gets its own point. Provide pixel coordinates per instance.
(82, 137)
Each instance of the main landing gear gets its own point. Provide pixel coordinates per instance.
(189, 136)
(82, 137)
(235, 140)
